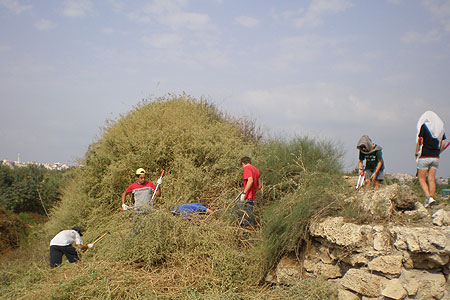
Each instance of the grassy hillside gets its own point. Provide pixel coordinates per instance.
(160, 256)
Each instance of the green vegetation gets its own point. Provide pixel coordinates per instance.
(160, 256)
(29, 189)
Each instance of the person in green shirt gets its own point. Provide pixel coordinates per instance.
(373, 155)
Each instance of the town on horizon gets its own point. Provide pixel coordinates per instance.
(21, 164)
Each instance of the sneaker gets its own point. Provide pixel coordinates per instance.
(429, 201)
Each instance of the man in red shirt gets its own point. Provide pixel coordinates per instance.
(247, 199)
(142, 190)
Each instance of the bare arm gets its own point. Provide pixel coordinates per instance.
(419, 143)
(443, 145)
(248, 185)
(360, 167)
(123, 197)
(380, 163)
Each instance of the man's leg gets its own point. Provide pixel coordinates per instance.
(377, 184)
(55, 256)
(432, 181)
(71, 253)
(248, 209)
(422, 176)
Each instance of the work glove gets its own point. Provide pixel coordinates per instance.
(124, 206)
(159, 181)
(242, 198)
(90, 246)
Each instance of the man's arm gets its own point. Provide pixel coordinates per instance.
(419, 143)
(380, 163)
(443, 145)
(248, 185)
(360, 167)
(123, 197)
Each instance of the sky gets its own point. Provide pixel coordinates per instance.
(329, 69)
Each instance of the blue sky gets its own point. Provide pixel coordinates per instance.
(334, 69)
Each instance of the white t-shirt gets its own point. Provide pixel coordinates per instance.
(143, 197)
(66, 237)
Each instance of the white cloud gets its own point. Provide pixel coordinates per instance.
(171, 13)
(186, 20)
(15, 6)
(398, 78)
(318, 9)
(395, 1)
(107, 30)
(440, 10)
(213, 58)
(318, 108)
(247, 21)
(4, 48)
(76, 8)
(164, 40)
(299, 49)
(414, 37)
(350, 67)
(44, 25)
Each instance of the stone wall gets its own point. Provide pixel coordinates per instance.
(388, 261)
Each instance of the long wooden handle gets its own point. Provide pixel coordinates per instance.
(102, 236)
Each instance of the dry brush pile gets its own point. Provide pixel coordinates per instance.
(158, 255)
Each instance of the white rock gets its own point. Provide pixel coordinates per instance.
(363, 282)
(431, 284)
(288, 270)
(441, 218)
(347, 295)
(394, 290)
(389, 264)
(336, 231)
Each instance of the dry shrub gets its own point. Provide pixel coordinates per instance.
(12, 230)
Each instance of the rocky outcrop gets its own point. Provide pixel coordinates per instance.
(389, 261)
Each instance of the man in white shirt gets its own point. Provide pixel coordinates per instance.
(62, 244)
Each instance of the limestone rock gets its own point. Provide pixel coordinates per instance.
(336, 231)
(288, 270)
(421, 239)
(347, 295)
(411, 286)
(419, 211)
(430, 261)
(403, 197)
(363, 282)
(378, 202)
(431, 284)
(380, 238)
(318, 268)
(441, 218)
(394, 289)
(389, 264)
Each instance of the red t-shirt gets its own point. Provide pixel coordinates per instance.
(251, 171)
(136, 185)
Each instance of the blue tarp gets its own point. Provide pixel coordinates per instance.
(189, 209)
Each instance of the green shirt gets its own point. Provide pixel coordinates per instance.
(372, 160)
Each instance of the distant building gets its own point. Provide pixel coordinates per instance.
(49, 166)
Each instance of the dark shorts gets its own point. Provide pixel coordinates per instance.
(380, 175)
(56, 253)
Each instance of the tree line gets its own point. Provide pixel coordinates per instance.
(30, 189)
